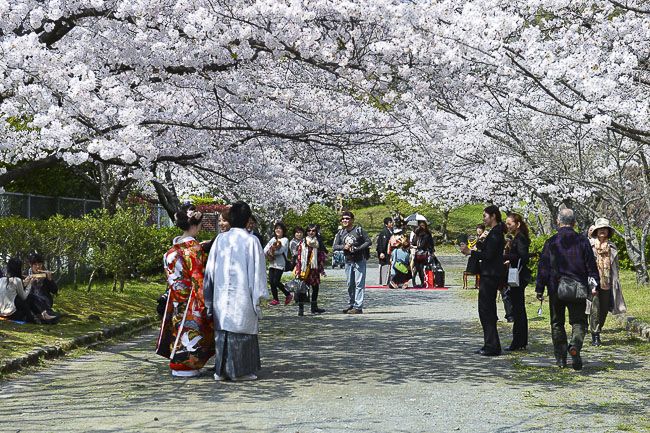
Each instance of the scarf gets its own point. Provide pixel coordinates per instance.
(308, 256)
(604, 262)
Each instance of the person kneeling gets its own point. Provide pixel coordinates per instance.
(400, 273)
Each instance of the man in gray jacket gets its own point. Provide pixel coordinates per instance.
(355, 244)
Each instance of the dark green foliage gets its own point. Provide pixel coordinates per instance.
(623, 257)
(536, 246)
(319, 214)
(119, 246)
(57, 181)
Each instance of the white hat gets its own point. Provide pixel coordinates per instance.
(601, 223)
(397, 231)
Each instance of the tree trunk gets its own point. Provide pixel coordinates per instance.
(112, 188)
(443, 226)
(90, 280)
(75, 274)
(167, 196)
(115, 283)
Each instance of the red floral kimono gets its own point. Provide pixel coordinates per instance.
(186, 335)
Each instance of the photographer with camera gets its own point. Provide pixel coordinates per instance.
(355, 244)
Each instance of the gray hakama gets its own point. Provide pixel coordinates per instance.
(237, 354)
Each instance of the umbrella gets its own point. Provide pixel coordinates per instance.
(416, 217)
(412, 223)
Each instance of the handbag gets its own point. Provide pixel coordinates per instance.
(288, 265)
(568, 289)
(402, 268)
(421, 256)
(297, 286)
(513, 275)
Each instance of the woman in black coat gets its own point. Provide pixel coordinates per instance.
(517, 255)
(424, 248)
(492, 276)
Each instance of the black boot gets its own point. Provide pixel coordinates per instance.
(301, 309)
(560, 355)
(576, 358)
(593, 338)
(314, 300)
(596, 337)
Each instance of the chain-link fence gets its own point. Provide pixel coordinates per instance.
(41, 207)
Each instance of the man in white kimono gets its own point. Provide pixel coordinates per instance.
(234, 284)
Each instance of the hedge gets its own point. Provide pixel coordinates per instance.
(119, 246)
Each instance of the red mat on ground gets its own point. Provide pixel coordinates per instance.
(408, 288)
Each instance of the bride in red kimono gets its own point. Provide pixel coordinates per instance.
(186, 335)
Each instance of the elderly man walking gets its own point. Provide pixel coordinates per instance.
(567, 264)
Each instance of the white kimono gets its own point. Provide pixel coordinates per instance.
(235, 281)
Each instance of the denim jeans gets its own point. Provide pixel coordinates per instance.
(355, 273)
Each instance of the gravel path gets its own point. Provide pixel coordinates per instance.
(405, 365)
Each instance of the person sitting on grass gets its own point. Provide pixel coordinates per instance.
(400, 272)
(42, 288)
(13, 296)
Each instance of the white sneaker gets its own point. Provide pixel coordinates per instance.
(246, 377)
(185, 373)
(219, 378)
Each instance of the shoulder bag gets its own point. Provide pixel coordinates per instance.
(288, 265)
(568, 289)
(513, 275)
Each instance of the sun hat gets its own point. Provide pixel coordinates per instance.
(602, 223)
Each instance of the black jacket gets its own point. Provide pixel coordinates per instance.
(382, 245)
(424, 242)
(491, 254)
(519, 250)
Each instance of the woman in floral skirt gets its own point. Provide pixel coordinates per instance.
(186, 334)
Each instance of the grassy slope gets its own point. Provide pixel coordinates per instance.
(138, 300)
(461, 220)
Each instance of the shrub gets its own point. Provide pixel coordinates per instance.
(121, 246)
(319, 214)
(536, 246)
(623, 257)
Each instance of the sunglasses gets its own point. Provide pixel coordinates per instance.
(346, 219)
(311, 231)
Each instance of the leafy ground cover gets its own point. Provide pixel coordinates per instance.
(83, 312)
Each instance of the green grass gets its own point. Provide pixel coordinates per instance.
(637, 298)
(138, 300)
